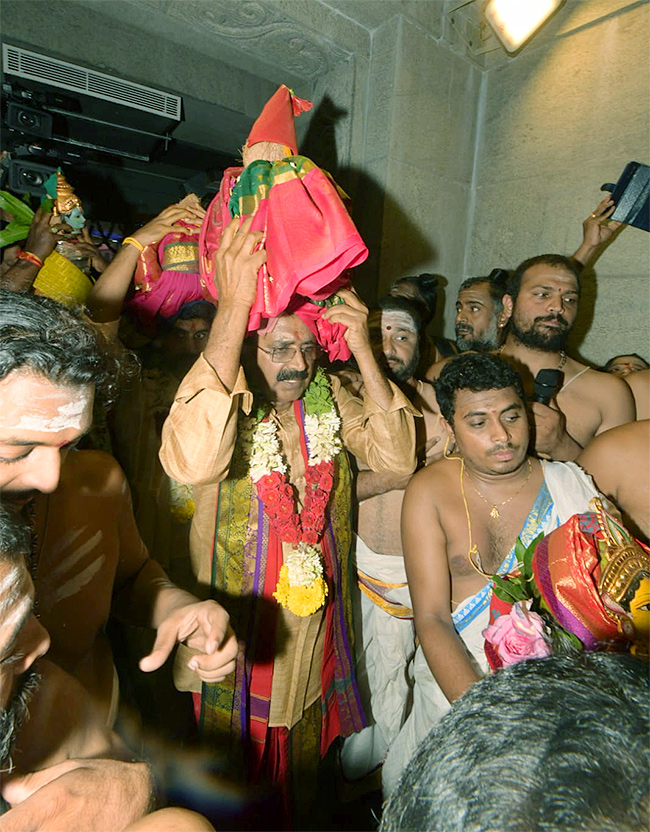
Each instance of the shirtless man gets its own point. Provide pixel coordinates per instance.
(619, 462)
(89, 556)
(541, 305)
(61, 767)
(61, 724)
(460, 520)
(480, 319)
(479, 312)
(387, 639)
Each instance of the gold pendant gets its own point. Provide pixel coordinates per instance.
(494, 513)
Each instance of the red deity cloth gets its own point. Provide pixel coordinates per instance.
(309, 237)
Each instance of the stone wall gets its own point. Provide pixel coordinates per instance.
(558, 122)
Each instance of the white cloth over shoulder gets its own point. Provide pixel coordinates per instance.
(570, 491)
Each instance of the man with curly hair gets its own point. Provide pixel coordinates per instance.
(461, 518)
(89, 557)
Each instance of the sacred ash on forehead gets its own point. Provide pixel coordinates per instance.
(68, 416)
(397, 319)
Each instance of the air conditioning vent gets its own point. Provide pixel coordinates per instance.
(35, 67)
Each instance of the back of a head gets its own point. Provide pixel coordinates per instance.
(41, 336)
(15, 536)
(476, 372)
(425, 287)
(549, 745)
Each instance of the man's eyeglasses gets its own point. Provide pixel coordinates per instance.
(283, 355)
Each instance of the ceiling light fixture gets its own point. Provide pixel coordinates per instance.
(515, 21)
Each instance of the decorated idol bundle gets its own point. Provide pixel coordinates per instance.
(585, 586)
(310, 239)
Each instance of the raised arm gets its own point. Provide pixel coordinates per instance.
(237, 265)
(597, 231)
(107, 295)
(353, 314)
(425, 556)
(639, 384)
(41, 242)
(199, 434)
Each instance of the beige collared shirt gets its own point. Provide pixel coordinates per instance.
(198, 440)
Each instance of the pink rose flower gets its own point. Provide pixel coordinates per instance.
(519, 635)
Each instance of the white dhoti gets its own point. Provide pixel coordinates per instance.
(566, 491)
(429, 702)
(385, 646)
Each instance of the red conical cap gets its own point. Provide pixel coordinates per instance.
(275, 122)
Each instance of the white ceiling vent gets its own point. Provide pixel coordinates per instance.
(67, 76)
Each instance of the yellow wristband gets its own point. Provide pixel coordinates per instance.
(132, 241)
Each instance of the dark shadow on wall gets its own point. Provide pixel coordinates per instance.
(319, 143)
(374, 209)
(586, 314)
(371, 206)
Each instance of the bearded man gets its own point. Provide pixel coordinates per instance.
(259, 431)
(479, 312)
(541, 304)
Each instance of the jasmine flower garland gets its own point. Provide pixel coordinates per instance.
(301, 586)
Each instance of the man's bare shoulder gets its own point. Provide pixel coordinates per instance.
(64, 721)
(639, 384)
(433, 481)
(426, 391)
(92, 474)
(587, 380)
(435, 369)
(631, 439)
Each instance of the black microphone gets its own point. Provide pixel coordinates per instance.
(547, 383)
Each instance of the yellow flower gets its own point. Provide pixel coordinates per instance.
(300, 600)
(182, 514)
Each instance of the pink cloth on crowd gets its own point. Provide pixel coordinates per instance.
(160, 292)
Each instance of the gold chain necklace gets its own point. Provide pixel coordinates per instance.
(494, 511)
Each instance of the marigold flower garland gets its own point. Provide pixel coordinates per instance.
(301, 586)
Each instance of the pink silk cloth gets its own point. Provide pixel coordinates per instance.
(166, 277)
(567, 567)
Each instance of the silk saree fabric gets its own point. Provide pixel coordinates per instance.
(246, 560)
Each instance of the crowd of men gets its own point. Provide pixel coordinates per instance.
(412, 470)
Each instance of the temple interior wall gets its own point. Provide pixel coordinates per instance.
(456, 162)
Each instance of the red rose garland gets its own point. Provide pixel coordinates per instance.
(276, 493)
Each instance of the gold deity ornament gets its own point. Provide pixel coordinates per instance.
(625, 584)
(67, 204)
(66, 199)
